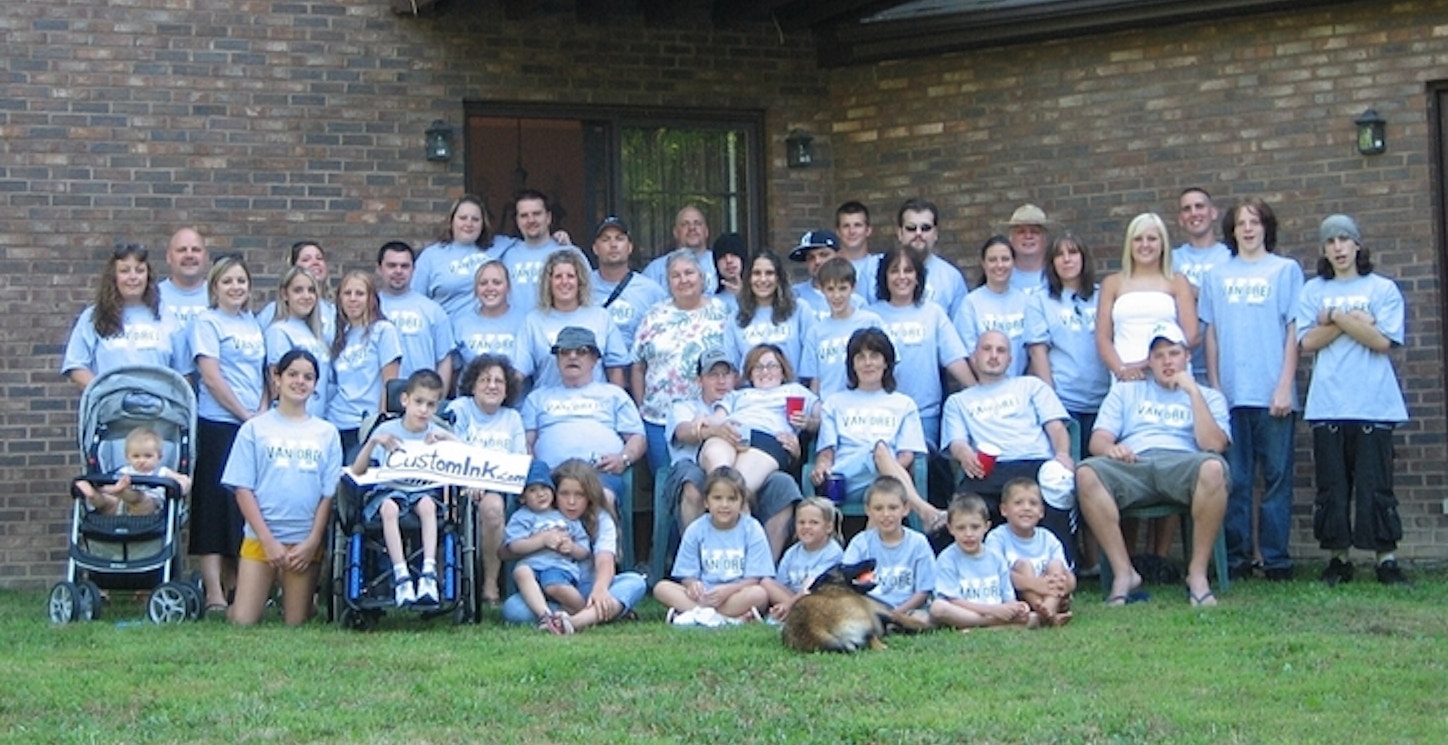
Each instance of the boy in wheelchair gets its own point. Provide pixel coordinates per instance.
(420, 400)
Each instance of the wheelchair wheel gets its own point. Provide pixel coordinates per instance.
(63, 605)
(356, 620)
(90, 593)
(167, 603)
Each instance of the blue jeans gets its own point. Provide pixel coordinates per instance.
(627, 588)
(1260, 439)
(658, 446)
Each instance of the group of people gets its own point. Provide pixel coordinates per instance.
(713, 372)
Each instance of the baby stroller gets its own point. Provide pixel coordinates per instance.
(130, 552)
(361, 572)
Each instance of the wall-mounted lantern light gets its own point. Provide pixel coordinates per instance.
(799, 149)
(439, 141)
(1372, 136)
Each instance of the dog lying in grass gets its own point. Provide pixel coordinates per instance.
(838, 616)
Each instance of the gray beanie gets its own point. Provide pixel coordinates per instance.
(1339, 226)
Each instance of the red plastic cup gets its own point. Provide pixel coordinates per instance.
(793, 405)
(987, 455)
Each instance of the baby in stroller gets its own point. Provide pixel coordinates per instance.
(143, 458)
(420, 400)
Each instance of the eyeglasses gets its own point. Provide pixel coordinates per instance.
(768, 366)
(921, 228)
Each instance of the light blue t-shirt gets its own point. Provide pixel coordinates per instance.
(812, 299)
(1248, 305)
(605, 542)
(763, 409)
(183, 306)
(525, 522)
(290, 465)
(237, 343)
(628, 309)
(900, 570)
(1350, 381)
(501, 431)
(984, 577)
(444, 272)
(1028, 281)
(787, 335)
(1010, 414)
(852, 421)
(717, 556)
(423, 329)
(925, 342)
(1145, 416)
(293, 333)
(326, 313)
(525, 267)
(683, 412)
(358, 370)
(985, 310)
(658, 271)
(582, 422)
(1194, 263)
(1067, 325)
(477, 334)
(799, 567)
(540, 330)
(144, 340)
(1042, 548)
(944, 284)
(825, 344)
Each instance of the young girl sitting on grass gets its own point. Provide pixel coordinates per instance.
(723, 556)
(817, 526)
(904, 563)
(549, 547)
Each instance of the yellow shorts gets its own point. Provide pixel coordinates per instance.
(251, 548)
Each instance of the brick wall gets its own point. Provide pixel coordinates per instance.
(1098, 130)
(263, 122)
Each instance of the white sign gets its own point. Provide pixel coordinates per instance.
(451, 462)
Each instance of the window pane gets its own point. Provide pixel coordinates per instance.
(665, 168)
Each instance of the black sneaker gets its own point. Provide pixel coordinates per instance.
(1240, 572)
(1390, 574)
(1278, 574)
(1337, 572)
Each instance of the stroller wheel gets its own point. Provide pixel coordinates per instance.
(167, 604)
(64, 603)
(193, 601)
(90, 593)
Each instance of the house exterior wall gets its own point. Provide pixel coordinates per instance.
(264, 122)
(1097, 130)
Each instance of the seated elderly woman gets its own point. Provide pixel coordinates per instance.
(868, 412)
(761, 419)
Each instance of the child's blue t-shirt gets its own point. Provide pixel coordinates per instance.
(526, 522)
(984, 577)
(799, 567)
(901, 570)
(1042, 548)
(825, 344)
(717, 556)
(290, 466)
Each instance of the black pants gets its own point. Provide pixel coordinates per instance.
(1355, 504)
(216, 522)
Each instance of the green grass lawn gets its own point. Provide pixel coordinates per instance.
(1293, 663)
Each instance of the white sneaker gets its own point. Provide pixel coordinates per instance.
(427, 590)
(402, 592)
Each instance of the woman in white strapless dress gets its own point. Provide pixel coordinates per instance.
(1144, 295)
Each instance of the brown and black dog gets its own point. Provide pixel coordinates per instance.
(837, 615)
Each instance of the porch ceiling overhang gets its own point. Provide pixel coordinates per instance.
(850, 32)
